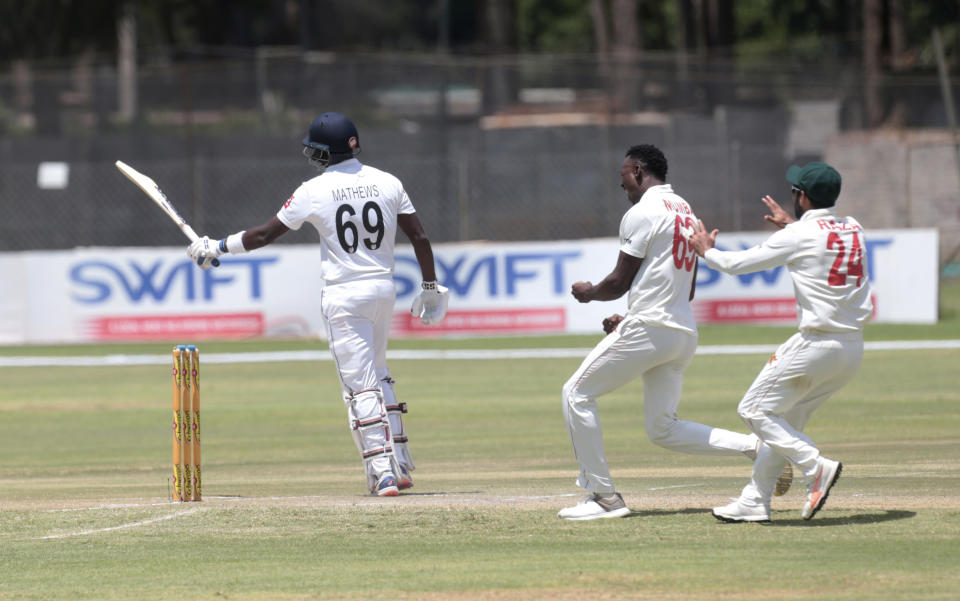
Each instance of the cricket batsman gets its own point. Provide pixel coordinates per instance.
(356, 209)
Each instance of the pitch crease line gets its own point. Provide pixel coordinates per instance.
(111, 506)
(124, 526)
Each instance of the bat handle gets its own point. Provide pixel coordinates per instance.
(215, 262)
(193, 237)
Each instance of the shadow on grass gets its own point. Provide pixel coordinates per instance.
(652, 513)
(849, 520)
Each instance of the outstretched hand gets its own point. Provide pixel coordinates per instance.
(700, 240)
(777, 216)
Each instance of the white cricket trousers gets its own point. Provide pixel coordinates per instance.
(801, 375)
(660, 355)
(358, 315)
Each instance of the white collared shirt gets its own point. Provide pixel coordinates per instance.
(354, 208)
(652, 230)
(825, 256)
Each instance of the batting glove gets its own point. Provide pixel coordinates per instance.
(205, 252)
(430, 305)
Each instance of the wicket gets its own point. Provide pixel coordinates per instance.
(186, 423)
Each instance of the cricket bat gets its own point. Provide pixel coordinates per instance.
(152, 190)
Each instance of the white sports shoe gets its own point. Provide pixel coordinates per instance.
(738, 512)
(596, 506)
(817, 491)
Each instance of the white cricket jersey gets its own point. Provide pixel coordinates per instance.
(824, 255)
(652, 230)
(354, 208)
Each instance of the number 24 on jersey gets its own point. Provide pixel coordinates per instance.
(854, 260)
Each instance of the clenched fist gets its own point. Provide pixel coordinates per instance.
(610, 323)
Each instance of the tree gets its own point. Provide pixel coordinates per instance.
(601, 28)
(872, 68)
(627, 48)
(496, 18)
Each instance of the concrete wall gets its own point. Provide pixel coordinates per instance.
(900, 178)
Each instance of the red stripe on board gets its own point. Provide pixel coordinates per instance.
(485, 321)
(157, 327)
(746, 309)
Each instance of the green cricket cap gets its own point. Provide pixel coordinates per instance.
(819, 181)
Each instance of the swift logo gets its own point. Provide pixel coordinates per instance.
(495, 274)
(96, 282)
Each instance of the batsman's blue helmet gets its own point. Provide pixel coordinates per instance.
(332, 138)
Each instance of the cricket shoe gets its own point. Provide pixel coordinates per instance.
(738, 512)
(386, 486)
(784, 481)
(596, 506)
(405, 480)
(817, 492)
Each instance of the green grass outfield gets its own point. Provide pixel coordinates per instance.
(85, 454)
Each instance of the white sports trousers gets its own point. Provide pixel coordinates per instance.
(660, 355)
(804, 372)
(358, 316)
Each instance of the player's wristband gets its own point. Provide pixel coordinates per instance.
(429, 285)
(233, 244)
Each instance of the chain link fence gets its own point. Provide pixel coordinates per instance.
(494, 148)
(464, 196)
